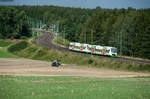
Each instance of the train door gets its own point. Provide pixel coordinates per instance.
(104, 51)
(81, 47)
(93, 49)
(73, 45)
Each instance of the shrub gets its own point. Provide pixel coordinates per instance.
(40, 53)
(18, 46)
(23, 37)
(90, 61)
(5, 44)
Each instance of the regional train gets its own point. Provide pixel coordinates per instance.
(93, 49)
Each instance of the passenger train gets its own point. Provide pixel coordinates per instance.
(93, 49)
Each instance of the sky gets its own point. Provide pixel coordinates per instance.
(84, 3)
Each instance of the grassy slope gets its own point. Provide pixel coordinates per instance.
(5, 54)
(41, 53)
(4, 43)
(61, 41)
(73, 88)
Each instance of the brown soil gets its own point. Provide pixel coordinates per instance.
(27, 67)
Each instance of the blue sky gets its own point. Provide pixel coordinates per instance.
(85, 3)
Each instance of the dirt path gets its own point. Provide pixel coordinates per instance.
(27, 67)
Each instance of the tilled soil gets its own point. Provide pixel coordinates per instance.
(27, 67)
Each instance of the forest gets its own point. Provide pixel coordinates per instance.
(126, 29)
(13, 23)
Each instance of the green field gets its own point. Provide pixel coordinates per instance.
(73, 88)
(5, 44)
(5, 54)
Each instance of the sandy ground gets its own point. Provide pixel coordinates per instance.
(27, 67)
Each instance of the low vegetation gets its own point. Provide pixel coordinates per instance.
(33, 51)
(3, 52)
(61, 41)
(73, 88)
(4, 43)
(18, 46)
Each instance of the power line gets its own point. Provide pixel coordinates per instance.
(121, 43)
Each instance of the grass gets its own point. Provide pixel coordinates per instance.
(61, 41)
(5, 54)
(73, 88)
(5, 43)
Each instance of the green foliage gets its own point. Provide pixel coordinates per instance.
(73, 87)
(5, 43)
(126, 29)
(40, 53)
(13, 23)
(5, 54)
(61, 41)
(18, 46)
(90, 61)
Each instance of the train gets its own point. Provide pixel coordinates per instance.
(93, 49)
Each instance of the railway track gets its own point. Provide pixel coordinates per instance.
(46, 40)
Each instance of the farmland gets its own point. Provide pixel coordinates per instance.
(26, 55)
(17, 87)
(35, 79)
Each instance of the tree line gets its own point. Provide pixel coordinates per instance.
(13, 23)
(126, 29)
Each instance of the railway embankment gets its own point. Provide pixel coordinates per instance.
(49, 53)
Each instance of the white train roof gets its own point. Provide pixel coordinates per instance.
(97, 46)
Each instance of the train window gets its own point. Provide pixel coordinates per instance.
(97, 50)
(113, 50)
(81, 48)
(107, 51)
(77, 47)
(100, 50)
(90, 48)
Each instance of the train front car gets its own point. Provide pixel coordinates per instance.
(93, 49)
(113, 52)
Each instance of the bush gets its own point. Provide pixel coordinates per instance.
(40, 53)
(18, 46)
(4, 43)
(90, 61)
(23, 37)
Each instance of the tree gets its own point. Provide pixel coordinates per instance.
(14, 23)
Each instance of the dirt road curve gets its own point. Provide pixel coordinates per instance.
(27, 67)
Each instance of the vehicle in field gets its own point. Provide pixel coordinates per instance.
(55, 63)
(93, 49)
